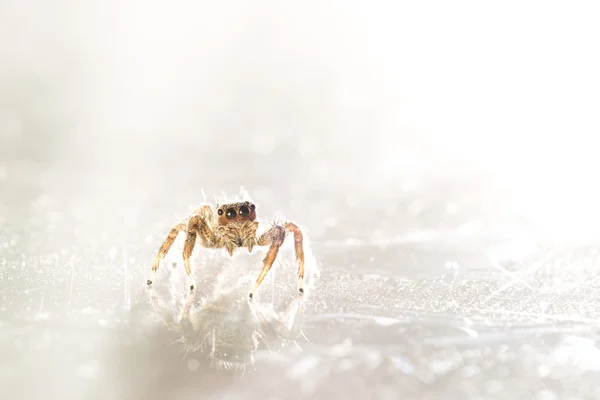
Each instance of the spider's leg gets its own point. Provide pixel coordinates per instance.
(274, 237)
(188, 248)
(198, 226)
(206, 212)
(298, 238)
(164, 249)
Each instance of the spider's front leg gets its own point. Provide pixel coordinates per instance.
(164, 249)
(200, 224)
(299, 249)
(273, 237)
(197, 226)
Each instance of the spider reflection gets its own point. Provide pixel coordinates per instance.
(229, 328)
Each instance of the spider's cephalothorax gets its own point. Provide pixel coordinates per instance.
(234, 226)
(236, 213)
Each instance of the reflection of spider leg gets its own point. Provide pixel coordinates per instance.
(198, 226)
(293, 309)
(274, 237)
(284, 327)
(164, 249)
(288, 325)
(167, 317)
(269, 333)
(261, 318)
(298, 238)
(155, 304)
(188, 306)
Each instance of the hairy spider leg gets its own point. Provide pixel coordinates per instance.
(164, 249)
(197, 226)
(201, 224)
(274, 237)
(206, 212)
(298, 238)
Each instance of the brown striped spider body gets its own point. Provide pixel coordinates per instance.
(235, 226)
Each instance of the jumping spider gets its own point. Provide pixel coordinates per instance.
(234, 227)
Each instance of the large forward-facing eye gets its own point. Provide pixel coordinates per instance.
(230, 214)
(244, 211)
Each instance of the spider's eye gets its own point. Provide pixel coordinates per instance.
(230, 213)
(244, 211)
(252, 207)
(220, 212)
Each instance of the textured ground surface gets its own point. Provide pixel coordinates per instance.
(455, 312)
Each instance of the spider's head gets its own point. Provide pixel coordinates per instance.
(236, 212)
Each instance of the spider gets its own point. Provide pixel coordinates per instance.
(234, 227)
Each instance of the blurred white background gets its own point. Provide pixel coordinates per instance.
(348, 92)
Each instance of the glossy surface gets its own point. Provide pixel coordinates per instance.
(423, 314)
